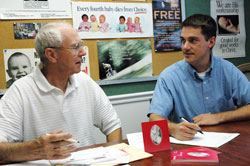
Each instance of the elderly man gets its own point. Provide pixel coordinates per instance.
(204, 89)
(40, 111)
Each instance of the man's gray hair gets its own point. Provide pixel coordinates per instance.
(49, 36)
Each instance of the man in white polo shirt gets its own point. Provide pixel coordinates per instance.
(57, 99)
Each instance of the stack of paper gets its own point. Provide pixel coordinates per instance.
(104, 156)
(87, 157)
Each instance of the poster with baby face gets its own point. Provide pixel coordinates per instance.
(19, 63)
(94, 20)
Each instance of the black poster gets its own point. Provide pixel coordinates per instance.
(167, 17)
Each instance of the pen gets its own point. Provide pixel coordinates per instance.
(72, 140)
(188, 121)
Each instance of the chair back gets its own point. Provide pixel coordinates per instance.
(245, 68)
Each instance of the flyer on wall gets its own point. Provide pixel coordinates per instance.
(39, 9)
(94, 20)
(167, 17)
(231, 33)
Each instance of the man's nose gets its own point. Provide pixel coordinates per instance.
(82, 52)
(185, 46)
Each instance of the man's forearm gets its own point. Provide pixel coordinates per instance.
(16, 152)
(242, 113)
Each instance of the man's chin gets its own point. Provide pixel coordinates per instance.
(77, 71)
(188, 59)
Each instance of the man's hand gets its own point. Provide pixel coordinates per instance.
(207, 119)
(181, 131)
(53, 146)
(184, 130)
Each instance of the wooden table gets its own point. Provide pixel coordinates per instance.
(234, 153)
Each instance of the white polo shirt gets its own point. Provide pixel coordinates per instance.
(32, 107)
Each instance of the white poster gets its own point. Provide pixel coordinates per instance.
(95, 20)
(35, 9)
(85, 62)
(231, 34)
(19, 63)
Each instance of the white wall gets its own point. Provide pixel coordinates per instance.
(132, 109)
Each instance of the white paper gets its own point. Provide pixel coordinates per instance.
(112, 12)
(99, 155)
(208, 139)
(47, 9)
(32, 163)
(85, 62)
(88, 156)
(136, 140)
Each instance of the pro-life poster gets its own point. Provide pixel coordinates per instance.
(94, 20)
(167, 16)
(231, 34)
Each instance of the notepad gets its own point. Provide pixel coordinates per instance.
(208, 139)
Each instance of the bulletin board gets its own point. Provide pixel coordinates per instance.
(160, 60)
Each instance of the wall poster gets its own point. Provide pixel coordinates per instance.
(125, 59)
(95, 20)
(35, 9)
(231, 34)
(167, 17)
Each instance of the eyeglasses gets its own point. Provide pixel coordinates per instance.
(76, 47)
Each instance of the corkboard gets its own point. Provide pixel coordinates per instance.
(160, 60)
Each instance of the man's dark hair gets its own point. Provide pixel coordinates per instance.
(206, 23)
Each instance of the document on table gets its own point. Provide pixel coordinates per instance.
(32, 163)
(94, 156)
(136, 154)
(208, 139)
(136, 140)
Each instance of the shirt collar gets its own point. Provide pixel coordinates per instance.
(193, 72)
(45, 86)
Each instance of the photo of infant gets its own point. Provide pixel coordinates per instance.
(94, 25)
(19, 63)
(228, 24)
(104, 26)
(85, 24)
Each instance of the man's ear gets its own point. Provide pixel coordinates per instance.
(50, 54)
(212, 41)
